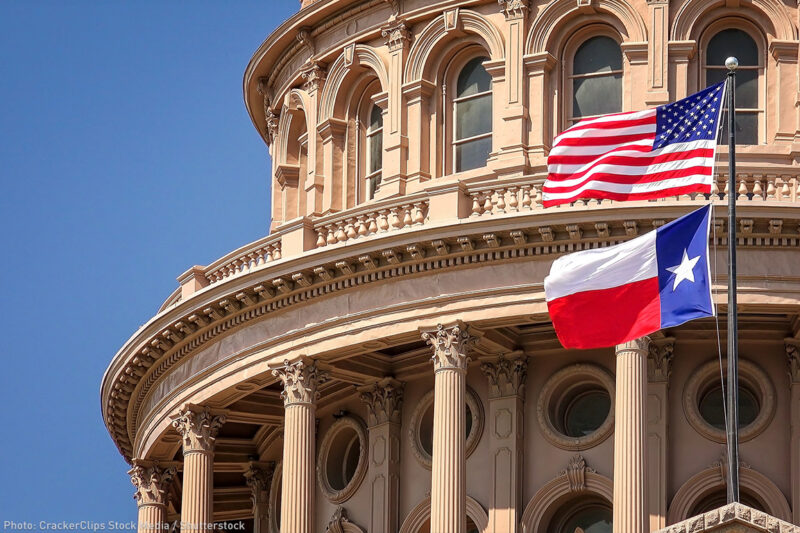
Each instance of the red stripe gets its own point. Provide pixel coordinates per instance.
(603, 141)
(623, 179)
(612, 124)
(568, 159)
(631, 197)
(607, 317)
(610, 158)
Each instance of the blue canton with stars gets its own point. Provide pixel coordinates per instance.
(694, 118)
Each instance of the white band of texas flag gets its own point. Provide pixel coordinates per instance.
(608, 296)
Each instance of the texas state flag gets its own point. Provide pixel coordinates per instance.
(608, 296)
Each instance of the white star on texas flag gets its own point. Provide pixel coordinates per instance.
(683, 271)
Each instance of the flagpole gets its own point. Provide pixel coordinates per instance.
(732, 411)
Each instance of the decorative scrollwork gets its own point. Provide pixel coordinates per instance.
(151, 484)
(300, 380)
(198, 428)
(450, 347)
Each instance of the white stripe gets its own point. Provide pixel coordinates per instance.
(589, 133)
(628, 188)
(561, 168)
(603, 268)
(627, 170)
(632, 115)
(596, 150)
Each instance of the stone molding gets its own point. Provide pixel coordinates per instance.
(659, 359)
(577, 373)
(749, 373)
(259, 478)
(424, 403)
(198, 428)
(733, 515)
(792, 347)
(712, 479)
(274, 491)
(506, 376)
(514, 9)
(151, 353)
(397, 34)
(450, 347)
(421, 513)
(151, 483)
(564, 486)
(300, 380)
(333, 495)
(340, 523)
(384, 401)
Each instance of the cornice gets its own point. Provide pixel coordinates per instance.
(182, 329)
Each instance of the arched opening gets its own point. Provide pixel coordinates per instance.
(472, 114)
(595, 79)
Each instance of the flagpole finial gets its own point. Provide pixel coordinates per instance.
(732, 63)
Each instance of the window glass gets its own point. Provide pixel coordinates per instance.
(473, 78)
(589, 519)
(374, 162)
(586, 412)
(597, 78)
(732, 42)
(711, 407)
(472, 135)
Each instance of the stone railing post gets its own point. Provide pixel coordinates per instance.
(384, 401)
(448, 472)
(152, 495)
(198, 428)
(506, 375)
(300, 380)
(630, 450)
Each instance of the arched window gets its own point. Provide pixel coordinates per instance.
(583, 516)
(596, 79)
(739, 43)
(472, 138)
(374, 152)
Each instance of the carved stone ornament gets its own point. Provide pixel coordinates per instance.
(397, 35)
(506, 377)
(659, 360)
(793, 359)
(513, 8)
(348, 424)
(384, 401)
(259, 478)
(450, 347)
(314, 75)
(198, 428)
(340, 523)
(151, 484)
(576, 473)
(300, 381)
(304, 38)
(395, 5)
(272, 125)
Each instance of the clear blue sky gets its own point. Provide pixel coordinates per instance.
(126, 156)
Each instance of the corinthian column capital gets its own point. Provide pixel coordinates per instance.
(198, 428)
(151, 484)
(513, 8)
(397, 35)
(384, 400)
(259, 477)
(641, 345)
(450, 346)
(300, 380)
(506, 376)
(659, 360)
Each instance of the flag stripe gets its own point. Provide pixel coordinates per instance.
(640, 152)
(635, 195)
(646, 171)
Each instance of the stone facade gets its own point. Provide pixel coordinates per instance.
(383, 361)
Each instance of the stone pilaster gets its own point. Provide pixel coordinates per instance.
(448, 472)
(659, 363)
(300, 380)
(198, 428)
(152, 495)
(792, 347)
(506, 377)
(630, 449)
(384, 401)
(259, 477)
(314, 75)
(658, 87)
(395, 134)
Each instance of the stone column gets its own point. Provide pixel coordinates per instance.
(151, 495)
(384, 401)
(792, 346)
(448, 472)
(198, 428)
(300, 380)
(630, 453)
(659, 364)
(259, 478)
(506, 413)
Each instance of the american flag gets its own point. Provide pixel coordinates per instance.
(640, 155)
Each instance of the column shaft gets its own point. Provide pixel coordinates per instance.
(630, 469)
(297, 500)
(152, 518)
(448, 473)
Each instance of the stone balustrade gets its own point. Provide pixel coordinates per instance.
(245, 259)
(360, 223)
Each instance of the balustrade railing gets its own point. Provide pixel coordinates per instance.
(378, 219)
(245, 259)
